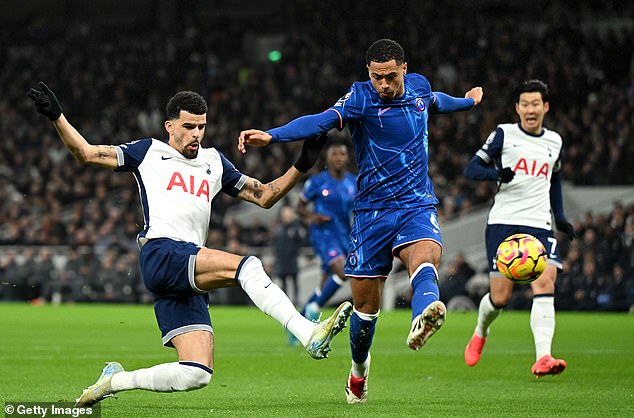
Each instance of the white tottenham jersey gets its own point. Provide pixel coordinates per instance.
(176, 192)
(526, 199)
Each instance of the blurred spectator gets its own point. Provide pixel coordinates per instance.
(288, 238)
(65, 285)
(42, 272)
(8, 286)
(587, 283)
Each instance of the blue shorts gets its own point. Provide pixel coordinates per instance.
(167, 267)
(328, 246)
(496, 233)
(378, 235)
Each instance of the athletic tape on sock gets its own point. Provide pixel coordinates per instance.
(366, 316)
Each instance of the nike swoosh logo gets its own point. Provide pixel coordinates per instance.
(382, 111)
(166, 158)
(270, 283)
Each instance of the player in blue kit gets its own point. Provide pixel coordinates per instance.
(331, 193)
(394, 211)
(177, 182)
(526, 160)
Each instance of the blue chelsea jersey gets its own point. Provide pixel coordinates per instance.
(391, 144)
(334, 198)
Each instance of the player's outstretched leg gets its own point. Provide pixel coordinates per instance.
(318, 346)
(426, 324)
(102, 388)
(166, 377)
(548, 365)
(357, 387)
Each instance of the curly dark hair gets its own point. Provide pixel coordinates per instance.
(385, 50)
(531, 86)
(188, 101)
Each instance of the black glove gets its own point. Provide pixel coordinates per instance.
(506, 174)
(567, 228)
(310, 152)
(45, 102)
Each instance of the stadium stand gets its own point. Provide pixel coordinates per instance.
(67, 232)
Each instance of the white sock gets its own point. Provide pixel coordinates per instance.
(543, 324)
(486, 315)
(167, 377)
(272, 300)
(360, 370)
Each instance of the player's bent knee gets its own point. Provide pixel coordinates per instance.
(501, 290)
(192, 376)
(500, 302)
(246, 268)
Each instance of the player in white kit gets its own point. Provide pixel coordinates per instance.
(177, 182)
(526, 161)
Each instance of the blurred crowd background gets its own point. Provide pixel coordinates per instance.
(114, 74)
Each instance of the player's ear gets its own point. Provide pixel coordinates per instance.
(546, 107)
(517, 108)
(169, 127)
(404, 68)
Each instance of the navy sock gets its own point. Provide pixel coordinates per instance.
(361, 334)
(425, 285)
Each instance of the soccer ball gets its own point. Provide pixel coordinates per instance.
(521, 258)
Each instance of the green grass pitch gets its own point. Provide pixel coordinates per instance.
(50, 353)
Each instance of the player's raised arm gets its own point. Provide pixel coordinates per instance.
(307, 126)
(266, 195)
(47, 104)
(444, 103)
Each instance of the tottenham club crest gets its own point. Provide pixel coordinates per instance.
(420, 104)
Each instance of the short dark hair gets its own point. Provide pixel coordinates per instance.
(385, 50)
(188, 101)
(336, 142)
(531, 86)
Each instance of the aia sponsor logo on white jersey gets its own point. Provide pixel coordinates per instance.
(526, 199)
(176, 192)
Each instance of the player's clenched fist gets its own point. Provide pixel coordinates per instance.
(476, 94)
